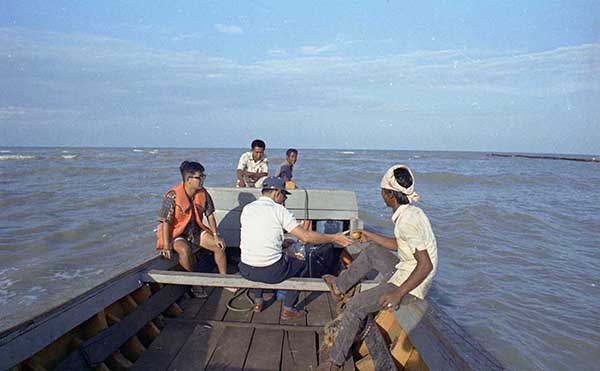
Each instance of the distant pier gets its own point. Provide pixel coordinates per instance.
(542, 157)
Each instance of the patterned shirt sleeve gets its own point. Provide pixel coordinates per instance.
(209, 208)
(167, 211)
(242, 164)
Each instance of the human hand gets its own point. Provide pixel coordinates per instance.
(220, 242)
(241, 183)
(166, 253)
(342, 240)
(391, 299)
(362, 235)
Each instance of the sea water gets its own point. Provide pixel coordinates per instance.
(517, 238)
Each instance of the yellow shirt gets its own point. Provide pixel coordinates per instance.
(413, 232)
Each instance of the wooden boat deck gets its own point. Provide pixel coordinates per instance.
(208, 335)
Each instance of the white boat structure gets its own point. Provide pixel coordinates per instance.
(143, 319)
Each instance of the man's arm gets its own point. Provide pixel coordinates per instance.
(212, 222)
(387, 242)
(316, 238)
(240, 176)
(424, 266)
(167, 242)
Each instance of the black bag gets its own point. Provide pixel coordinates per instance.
(322, 259)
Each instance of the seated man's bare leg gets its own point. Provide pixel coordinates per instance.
(186, 258)
(208, 242)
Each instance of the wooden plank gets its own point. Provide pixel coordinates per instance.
(231, 350)
(238, 316)
(215, 306)
(164, 348)
(265, 326)
(192, 306)
(198, 349)
(96, 349)
(318, 309)
(265, 350)
(270, 314)
(27, 338)
(234, 280)
(299, 351)
(440, 341)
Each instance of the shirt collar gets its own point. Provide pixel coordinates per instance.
(399, 212)
(265, 198)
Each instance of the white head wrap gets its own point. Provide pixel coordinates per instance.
(389, 182)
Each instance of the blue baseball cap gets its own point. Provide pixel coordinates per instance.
(274, 182)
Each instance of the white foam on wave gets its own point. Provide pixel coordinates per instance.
(154, 151)
(5, 151)
(77, 273)
(17, 157)
(69, 157)
(138, 150)
(346, 152)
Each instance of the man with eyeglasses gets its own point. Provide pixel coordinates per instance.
(181, 222)
(263, 223)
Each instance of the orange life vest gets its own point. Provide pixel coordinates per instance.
(183, 213)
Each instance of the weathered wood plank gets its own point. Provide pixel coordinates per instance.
(231, 350)
(299, 351)
(318, 309)
(265, 350)
(270, 314)
(164, 348)
(198, 348)
(234, 280)
(440, 341)
(192, 306)
(265, 326)
(215, 306)
(29, 337)
(96, 349)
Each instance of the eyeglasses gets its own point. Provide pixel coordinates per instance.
(201, 177)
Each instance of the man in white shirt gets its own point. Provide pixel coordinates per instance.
(262, 259)
(253, 166)
(409, 276)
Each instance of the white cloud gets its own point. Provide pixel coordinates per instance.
(316, 50)
(229, 29)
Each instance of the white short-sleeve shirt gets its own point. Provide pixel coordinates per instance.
(247, 163)
(263, 223)
(413, 232)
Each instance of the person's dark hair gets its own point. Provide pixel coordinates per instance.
(403, 178)
(258, 143)
(268, 191)
(190, 167)
(290, 151)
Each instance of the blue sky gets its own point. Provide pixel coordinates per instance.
(518, 76)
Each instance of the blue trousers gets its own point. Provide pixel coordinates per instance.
(284, 268)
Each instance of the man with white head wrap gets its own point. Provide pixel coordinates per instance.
(409, 275)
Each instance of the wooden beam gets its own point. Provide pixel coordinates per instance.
(440, 341)
(98, 348)
(234, 280)
(27, 338)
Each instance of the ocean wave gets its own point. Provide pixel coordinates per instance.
(346, 152)
(70, 157)
(138, 150)
(5, 151)
(17, 157)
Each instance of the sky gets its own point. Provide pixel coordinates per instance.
(510, 76)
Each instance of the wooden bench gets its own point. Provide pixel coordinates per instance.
(234, 280)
